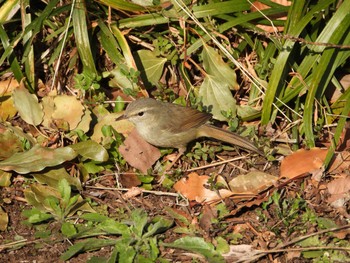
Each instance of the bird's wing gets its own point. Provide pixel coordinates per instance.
(185, 119)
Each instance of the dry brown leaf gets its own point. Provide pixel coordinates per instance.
(341, 163)
(258, 6)
(194, 188)
(345, 82)
(339, 190)
(138, 153)
(253, 182)
(7, 86)
(206, 220)
(302, 162)
(68, 109)
(7, 107)
(129, 180)
(48, 109)
(241, 252)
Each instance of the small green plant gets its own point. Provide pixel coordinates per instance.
(203, 152)
(51, 203)
(137, 236)
(87, 81)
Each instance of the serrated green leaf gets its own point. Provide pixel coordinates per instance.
(217, 97)
(152, 65)
(215, 66)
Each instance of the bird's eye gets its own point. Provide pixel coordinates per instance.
(141, 113)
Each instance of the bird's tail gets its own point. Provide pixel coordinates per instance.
(229, 137)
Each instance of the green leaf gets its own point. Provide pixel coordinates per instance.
(28, 106)
(86, 245)
(68, 229)
(217, 96)
(159, 225)
(139, 218)
(91, 150)
(82, 38)
(95, 217)
(152, 65)
(53, 204)
(65, 190)
(36, 216)
(37, 158)
(113, 227)
(53, 176)
(214, 65)
(126, 251)
(197, 245)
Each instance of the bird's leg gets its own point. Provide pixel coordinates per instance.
(170, 165)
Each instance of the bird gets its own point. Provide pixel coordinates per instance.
(169, 125)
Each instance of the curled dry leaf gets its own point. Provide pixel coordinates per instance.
(339, 189)
(194, 188)
(302, 162)
(138, 153)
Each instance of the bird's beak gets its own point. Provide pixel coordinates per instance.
(121, 117)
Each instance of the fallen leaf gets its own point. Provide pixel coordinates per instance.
(7, 107)
(302, 162)
(4, 220)
(68, 109)
(138, 153)
(193, 188)
(339, 189)
(340, 164)
(10, 142)
(129, 180)
(37, 158)
(28, 106)
(241, 252)
(258, 6)
(123, 126)
(206, 220)
(253, 182)
(91, 150)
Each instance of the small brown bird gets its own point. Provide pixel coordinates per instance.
(169, 125)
